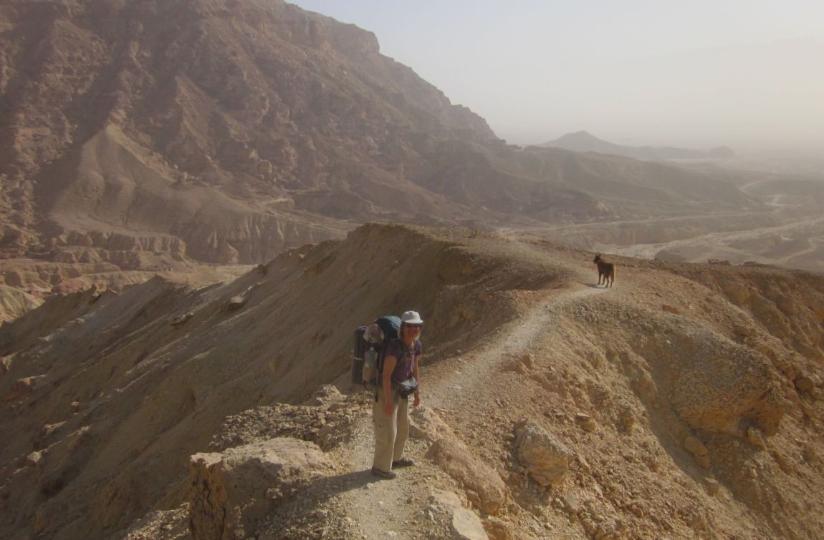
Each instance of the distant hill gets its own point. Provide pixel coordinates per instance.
(583, 141)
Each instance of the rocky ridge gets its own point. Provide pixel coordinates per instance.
(685, 401)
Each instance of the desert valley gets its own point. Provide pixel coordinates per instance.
(201, 200)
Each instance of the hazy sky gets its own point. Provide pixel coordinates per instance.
(699, 73)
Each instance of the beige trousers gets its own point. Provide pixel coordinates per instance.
(391, 432)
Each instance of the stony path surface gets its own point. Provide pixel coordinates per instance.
(388, 508)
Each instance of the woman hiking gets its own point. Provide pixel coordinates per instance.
(399, 379)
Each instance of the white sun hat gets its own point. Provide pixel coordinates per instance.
(411, 317)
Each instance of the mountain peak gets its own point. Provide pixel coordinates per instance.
(584, 141)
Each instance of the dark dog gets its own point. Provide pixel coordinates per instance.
(606, 271)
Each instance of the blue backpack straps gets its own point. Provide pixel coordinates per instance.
(391, 326)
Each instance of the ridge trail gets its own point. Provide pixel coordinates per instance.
(386, 509)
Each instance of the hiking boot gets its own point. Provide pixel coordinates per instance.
(389, 475)
(403, 462)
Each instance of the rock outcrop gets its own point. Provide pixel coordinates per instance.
(233, 491)
(463, 523)
(545, 457)
(483, 484)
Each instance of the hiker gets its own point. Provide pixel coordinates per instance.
(399, 379)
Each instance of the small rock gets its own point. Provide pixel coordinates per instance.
(182, 319)
(48, 429)
(75, 405)
(695, 446)
(698, 451)
(804, 384)
(636, 508)
(784, 464)
(755, 438)
(626, 421)
(326, 394)
(24, 387)
(5, 364)
(33, 459)
(809, 455)
(570, 503)
(498, 529)
(237, 302)
(712, 486)
(528, 360)
(586, 422)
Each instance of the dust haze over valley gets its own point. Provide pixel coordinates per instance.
(200, 200)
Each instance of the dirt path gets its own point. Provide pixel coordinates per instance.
(387, 509)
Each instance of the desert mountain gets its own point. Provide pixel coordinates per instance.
(583, 141)
(145, 136)
(686, 401)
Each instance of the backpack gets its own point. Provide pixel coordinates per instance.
(370, 345)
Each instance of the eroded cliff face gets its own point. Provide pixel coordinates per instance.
(210, 121)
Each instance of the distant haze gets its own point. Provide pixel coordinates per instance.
(743, 73)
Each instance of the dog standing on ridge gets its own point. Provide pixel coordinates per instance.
(606, 271)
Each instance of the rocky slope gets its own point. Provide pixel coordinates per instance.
(685, 401)
(148, 135)
(14, 302)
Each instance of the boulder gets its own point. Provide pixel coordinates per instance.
(482, 483)
(464, 523)
(233, 491)
(427, 424)
(545, 457)
(715, 383)
(586, 422)
(698, 451)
